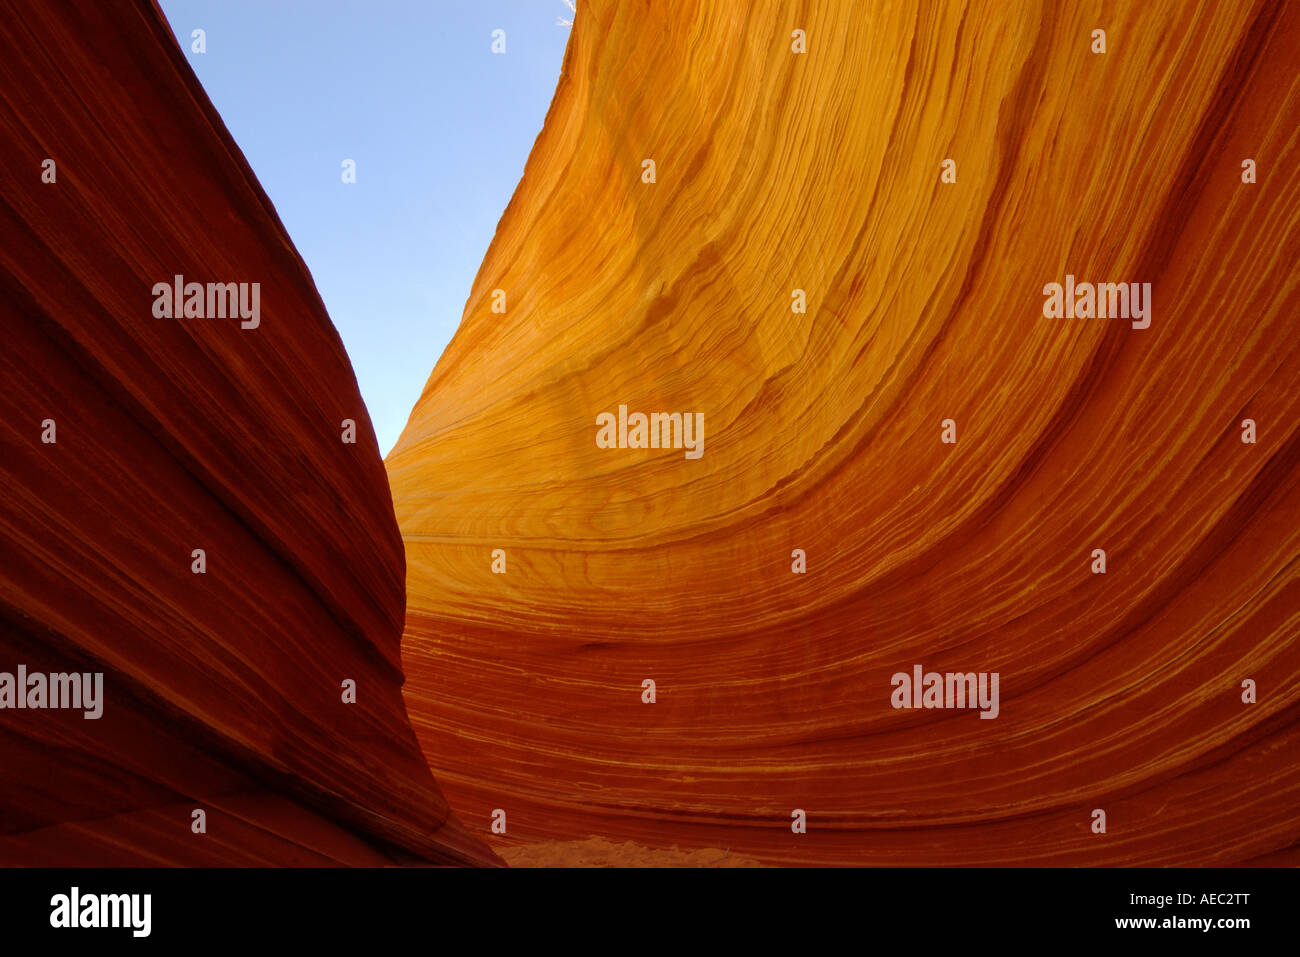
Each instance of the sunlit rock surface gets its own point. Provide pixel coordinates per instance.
(821, 171)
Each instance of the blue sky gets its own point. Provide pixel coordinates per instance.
(439, 127)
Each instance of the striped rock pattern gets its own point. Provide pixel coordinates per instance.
(222, 691)
(777, 170)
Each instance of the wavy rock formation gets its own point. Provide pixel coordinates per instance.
(130, 440)
(824, 171)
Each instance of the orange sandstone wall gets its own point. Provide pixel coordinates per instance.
(821, 171)
(221, 691)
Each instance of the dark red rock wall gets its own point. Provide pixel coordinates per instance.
(222, 690)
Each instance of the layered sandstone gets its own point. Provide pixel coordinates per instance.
(821, 171)
(222, 690)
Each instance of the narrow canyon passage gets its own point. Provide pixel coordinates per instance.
(872, 437)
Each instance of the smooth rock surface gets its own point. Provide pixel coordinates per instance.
(222, 690)
(820, 171)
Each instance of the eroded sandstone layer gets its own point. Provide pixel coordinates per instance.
(130, 441)
(824, 431)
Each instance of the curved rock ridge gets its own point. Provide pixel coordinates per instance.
(130, 441)
(949, 451)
